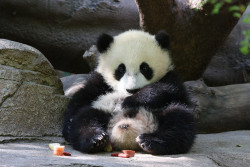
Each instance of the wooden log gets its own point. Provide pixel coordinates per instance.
(223, 108)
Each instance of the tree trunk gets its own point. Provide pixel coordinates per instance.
(195, 35)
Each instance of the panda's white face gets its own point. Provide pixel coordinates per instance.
(133, 60)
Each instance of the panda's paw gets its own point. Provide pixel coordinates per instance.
(149, 143)
(129, 102)
(144, 142)
(99, 142)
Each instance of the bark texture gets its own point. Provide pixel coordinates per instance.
(195, 35)
(223, 108)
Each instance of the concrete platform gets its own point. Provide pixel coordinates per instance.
(230, 149)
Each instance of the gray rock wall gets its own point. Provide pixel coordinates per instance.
(31, 95)
(63, 29)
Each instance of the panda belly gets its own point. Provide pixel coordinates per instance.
(122, 130)
(110, 102)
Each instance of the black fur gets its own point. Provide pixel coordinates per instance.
(81, 101)
(169, 102)
(86, 128)
(146, 70)
(175, 134)
(104, 42)
(163, 40)
(157, 95)
(132, 91)
(120, 71)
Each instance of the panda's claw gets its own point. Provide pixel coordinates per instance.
(99, 142)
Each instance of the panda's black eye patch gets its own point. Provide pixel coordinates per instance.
(146, 70)
(120, 71)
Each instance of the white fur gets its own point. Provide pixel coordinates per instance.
(132, 81)
(144, 122)
(132, 48)
(110, 102)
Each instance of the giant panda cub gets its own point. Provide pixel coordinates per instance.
(133, 99)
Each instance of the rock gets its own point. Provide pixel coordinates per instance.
(229, 66)
(248, 65)
(64, 29)
(221, 108)
(71, 84)
(91, 57)
(209, 150)
(31, 96)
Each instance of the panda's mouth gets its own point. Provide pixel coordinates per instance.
(132, 91)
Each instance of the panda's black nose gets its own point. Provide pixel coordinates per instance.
(132, 90)
(124, 126)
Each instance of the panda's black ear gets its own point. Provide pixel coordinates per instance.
(103, 42)
(163, 40)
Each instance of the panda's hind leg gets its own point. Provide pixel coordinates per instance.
(175, 134)
(88, 130)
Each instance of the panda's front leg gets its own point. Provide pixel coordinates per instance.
(88, 132)
(175, 134)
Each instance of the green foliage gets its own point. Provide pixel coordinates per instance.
(236, 14)
(245, 44)
(217, 7)
(228, 1)
(234, 8)
(237, 11)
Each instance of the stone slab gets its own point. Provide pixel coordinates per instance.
(210, 150)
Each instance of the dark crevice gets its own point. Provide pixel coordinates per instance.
(29, 139)
(217, 163)
(12, 94)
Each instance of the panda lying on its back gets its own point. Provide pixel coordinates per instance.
(134, 99)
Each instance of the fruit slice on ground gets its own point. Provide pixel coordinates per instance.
(123, 155)
(114, 154)
(52, 145)
(58, 150)
(66, 154)
(131, 153)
